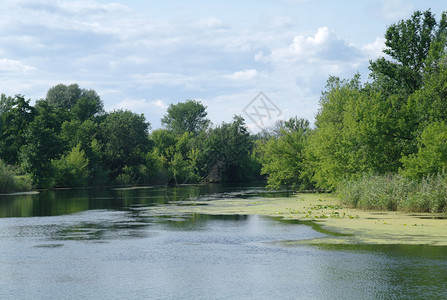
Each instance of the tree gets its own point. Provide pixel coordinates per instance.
(124, 139)
(71, 170)
(226, 152)
(42, 144)
(189, 116)
(85, 103)
(431, 157)
(283, 156)
(17, 116)
(407, 43)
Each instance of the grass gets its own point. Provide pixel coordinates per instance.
(394, 192)
(11, 182)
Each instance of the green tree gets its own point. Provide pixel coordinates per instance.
(283, 156)
(16, 118)
(189, 116)
(42, 144)
(124, 139)
(431, 156)
(408, 44)
(226, 152)
(71, 170)
(84, 103)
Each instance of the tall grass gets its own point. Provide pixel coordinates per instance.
(11, 182)
(394, 192)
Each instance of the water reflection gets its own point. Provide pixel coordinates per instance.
(106, 244)
(61, 202)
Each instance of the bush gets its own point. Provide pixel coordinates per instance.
(11, 182)
(394, 192)
(71, 170)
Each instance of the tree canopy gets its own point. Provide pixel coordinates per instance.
(189, 116)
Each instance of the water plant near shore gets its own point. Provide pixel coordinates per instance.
(394, 192)
(11, 182)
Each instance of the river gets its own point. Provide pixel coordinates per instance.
(113, 244)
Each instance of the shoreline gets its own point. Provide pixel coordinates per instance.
(344, 225)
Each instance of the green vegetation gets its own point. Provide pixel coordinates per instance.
(395, 192)
(380, 144)
(11, 181)
(68, 140)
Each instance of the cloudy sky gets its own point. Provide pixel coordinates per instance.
(145, 55)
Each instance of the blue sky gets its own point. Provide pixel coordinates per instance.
(145, 55)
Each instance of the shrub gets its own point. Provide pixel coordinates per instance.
(10, 181)
(394, 192)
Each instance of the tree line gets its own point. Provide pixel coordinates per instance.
(68, 140)
(396, 123)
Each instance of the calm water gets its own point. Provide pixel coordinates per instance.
(109, 244)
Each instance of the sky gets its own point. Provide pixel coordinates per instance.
(263, 60)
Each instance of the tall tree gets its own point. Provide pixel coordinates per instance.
(42, 144)
(283, 156)
(124, 136)
(16, 120)
(85, 103)
(407, 44)
(226, 152)
(189, 116)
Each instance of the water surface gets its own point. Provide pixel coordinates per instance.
(106, 244)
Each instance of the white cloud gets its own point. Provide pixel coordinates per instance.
(139, 105)
(243, 75)
(11, 65)
(374, 50)
(394, 10)
(323, 45)
(159, 103)
(224, 52)
(211, 22)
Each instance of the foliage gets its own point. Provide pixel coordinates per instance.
(71, 170)
(85, 103)
(42, 144)
(10, 181)
(189, 116)
(282, 156)
(226, 152)
(16, 120)
(431, 157)
(394, 192)
(124, 140)
(407, 43)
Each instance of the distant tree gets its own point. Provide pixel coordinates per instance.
(283, 156)
(42, 144)
(226, 152)
(431, 157)
(124, 139)
(84, 103)
(17, 116)
(71, 170)
(408, 44)
(6, 103)
(189, 116)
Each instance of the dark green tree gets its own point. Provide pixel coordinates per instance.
(408, 44)
(124, 140)
(226, 152)
(84, 103)
(283, 155)
(189, 116)
(42, 144)
(16, 119)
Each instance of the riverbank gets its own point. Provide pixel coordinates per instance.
(348, 225)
